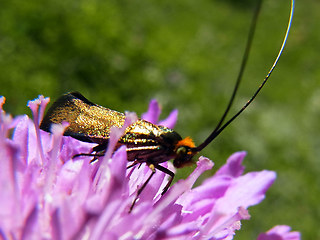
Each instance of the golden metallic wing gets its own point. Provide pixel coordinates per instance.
(88, 121)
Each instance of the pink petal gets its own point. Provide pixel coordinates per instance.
(280, 232)
(171, 120)
(233, 167)
(153, 113)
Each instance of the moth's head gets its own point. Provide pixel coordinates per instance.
(184, 151)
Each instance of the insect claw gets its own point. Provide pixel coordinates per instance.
(165, 189)
(133, 203)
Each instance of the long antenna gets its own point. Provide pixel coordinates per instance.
(220, 128)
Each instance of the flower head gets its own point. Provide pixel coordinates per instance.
(46, 194)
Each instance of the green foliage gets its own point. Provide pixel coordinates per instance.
(186, 54)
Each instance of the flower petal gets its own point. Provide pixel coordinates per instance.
(153, 113)
(280, 232)
(233, 167)
(171, 120)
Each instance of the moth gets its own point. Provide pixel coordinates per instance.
(145, 142)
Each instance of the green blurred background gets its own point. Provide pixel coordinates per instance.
(186, 54)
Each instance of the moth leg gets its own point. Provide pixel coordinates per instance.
(94, 155)
(152, 167)
(133, 164)
(167, 171)
(99, 150)
(88, 155)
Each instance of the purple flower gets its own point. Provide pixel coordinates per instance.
(280, 232)
(46, 194)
